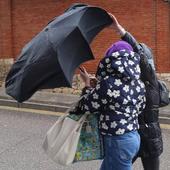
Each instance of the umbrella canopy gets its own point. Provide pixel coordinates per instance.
(50, 59)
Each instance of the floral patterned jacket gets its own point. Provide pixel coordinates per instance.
(119, 96)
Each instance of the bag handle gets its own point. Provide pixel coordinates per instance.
(83, 118)
(73, 105)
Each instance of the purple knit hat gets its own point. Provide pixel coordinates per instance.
(119, 45)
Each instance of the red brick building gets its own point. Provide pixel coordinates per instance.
(147, 20)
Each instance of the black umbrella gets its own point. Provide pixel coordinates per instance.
(49, 60)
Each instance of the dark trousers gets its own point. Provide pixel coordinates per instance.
(149, 163)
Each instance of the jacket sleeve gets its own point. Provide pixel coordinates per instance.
(91, 99)
(147, 72)
(132, 41)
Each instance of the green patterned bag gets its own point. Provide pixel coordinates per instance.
(90, 145)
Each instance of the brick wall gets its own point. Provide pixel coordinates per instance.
(147, 20)
(6, 46)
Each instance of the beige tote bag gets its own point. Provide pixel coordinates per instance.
(62, 139)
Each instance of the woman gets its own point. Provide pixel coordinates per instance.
(150, 132)
(118, 98)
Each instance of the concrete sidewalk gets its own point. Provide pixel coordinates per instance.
(41, 100)
(57, 102)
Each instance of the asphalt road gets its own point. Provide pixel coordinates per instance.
(21, 138)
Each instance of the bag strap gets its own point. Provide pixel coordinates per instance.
(73, 105)
(83, 118)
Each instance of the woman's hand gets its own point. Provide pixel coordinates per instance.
(115, 22)
(85, 76)
(116, 26)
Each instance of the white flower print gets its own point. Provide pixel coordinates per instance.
(141, 84)
(127, 110)
(138, 107)
(137, 76)
(138, 89)
(87, 91)
(132, 83)
(131, 92)
(125, 64)
(109, 93)
(134, 101)
(112, 107)
(134, 111)
(97, 86)
(131, 62)
(126, 114)
(131, 71)
(130, 118)
(117, 105)
(95, 96)
(136, 114)
(107, 60)
(132, 53)
(101, 117)
(133, 116)
(136, 59)
(108, 65)
(116, 93)
(123, 121)
(125, 101)
(121, 69)
(130, 126)
(101, 65)
(104, 101)
(107, 117)
(126, 54)
(126, 88)
(104, 126)
(86, 107)
(95, 105)
(119, 113)
(105, 78)
(113, 124)
(128, 97)
(116, 54)
(117, 82)
(138, 69)
(140, 97)
(118, 62)
(120, 131)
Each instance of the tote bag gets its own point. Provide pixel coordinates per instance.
(90, 144)
(62, 139)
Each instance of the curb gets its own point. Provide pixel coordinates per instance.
(61, 105)
(34, 105)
